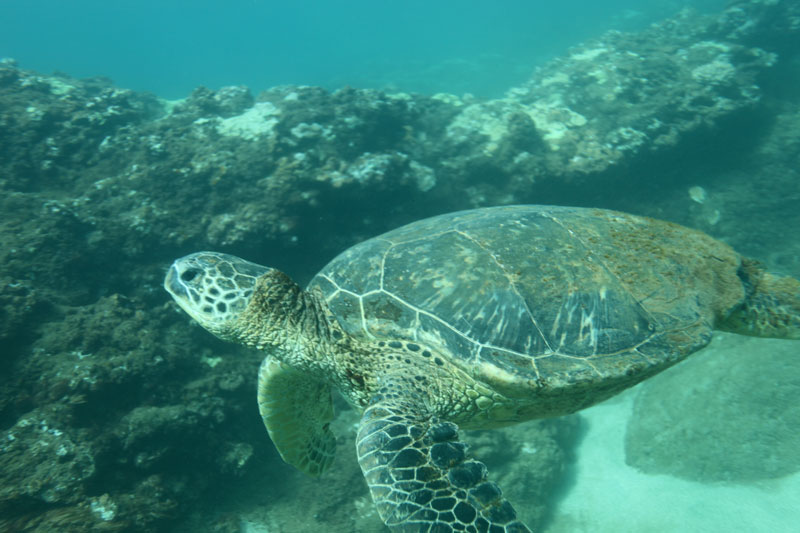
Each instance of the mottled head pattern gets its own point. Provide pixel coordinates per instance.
(213, 288)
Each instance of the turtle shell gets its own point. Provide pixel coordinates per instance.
(537, 296)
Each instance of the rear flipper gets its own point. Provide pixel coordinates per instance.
(771, 307)
(420, 477)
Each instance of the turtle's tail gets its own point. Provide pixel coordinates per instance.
(771, 307)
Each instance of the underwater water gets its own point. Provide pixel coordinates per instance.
(286, 133)
(172, 47)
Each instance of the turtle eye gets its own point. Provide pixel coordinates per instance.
(189, 274)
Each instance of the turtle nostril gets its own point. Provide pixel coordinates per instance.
(189, 274)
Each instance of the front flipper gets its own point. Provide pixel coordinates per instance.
(296, 410)
(420, 477)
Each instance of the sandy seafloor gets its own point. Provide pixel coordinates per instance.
(608, 495)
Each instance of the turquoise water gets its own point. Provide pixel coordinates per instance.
(172, 47)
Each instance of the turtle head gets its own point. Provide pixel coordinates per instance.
(254, 305)
(214, 289)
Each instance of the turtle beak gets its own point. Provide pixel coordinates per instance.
(173, 285)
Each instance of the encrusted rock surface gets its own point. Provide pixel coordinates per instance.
(117, 414)
(733, 438)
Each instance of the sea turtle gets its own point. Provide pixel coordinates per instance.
(475, 319)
